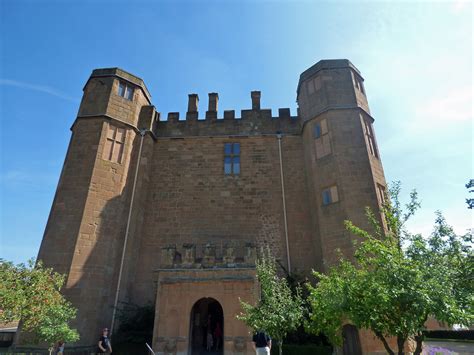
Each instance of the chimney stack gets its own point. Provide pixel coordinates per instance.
(255, 100)
(193, 103)
(213, 101)
(192, 107)
(212, 108)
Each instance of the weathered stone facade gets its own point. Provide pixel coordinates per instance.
(191, 231)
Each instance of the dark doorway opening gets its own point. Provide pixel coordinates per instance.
(351, 344)
(206, 328)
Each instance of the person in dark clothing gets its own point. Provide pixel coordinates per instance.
(262, 343)
(105, 347)
(59, 348)
(218, 335)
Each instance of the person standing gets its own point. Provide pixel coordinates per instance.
(59, 349)
(105, 347)
(209, 341)
(262, 343)
(218, 335)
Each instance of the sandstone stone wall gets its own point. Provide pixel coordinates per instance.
(191, 200)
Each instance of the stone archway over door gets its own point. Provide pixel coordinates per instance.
(207, 317)
(351, 345)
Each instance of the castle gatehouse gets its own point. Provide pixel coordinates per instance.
(170, 210)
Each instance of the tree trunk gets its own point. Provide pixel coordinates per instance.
(419, 344)
(280, 347)
(400, 343)
(385, 344)
(420, 337)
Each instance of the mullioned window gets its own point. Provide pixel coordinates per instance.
(232, 158)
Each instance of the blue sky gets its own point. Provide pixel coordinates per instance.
(416, 58)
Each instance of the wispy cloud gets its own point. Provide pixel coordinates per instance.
(40, 88)
(460, 5)
(453, 106)
(430, 118)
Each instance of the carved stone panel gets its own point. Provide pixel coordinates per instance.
(250, 254)
(167, 256)
(189, 257)
(228, 254)
(209, 255)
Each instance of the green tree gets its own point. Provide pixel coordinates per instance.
(278, 311)
(470, 189)
(31, 293)
(393, 290)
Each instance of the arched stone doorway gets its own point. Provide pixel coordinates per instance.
(351, 344)
(206, 316)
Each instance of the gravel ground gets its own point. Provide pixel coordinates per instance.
(448, 347)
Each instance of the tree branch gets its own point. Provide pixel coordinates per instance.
(419, 343)
(385, 344)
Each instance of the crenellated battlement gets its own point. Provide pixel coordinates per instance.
(254, 121)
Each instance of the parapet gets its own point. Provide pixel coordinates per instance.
(325, 64)
(122, 74)
(208, 255)
(328, 64)
(254, 121)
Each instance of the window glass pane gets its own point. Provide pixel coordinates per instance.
(228, 148)
(228, 165)
(317, 131)
(121, 90)
(236, 165)
(129, 93)
(326, 197)
(236, 148)
(237, 168)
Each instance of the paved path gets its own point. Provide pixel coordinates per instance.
(448, 347)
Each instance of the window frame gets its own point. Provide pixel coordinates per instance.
(116, 144)
(382, 193)
(358, 83)
(233, 158)
(330, 195)
(370, 137)
(323, 140)
(128, 90)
